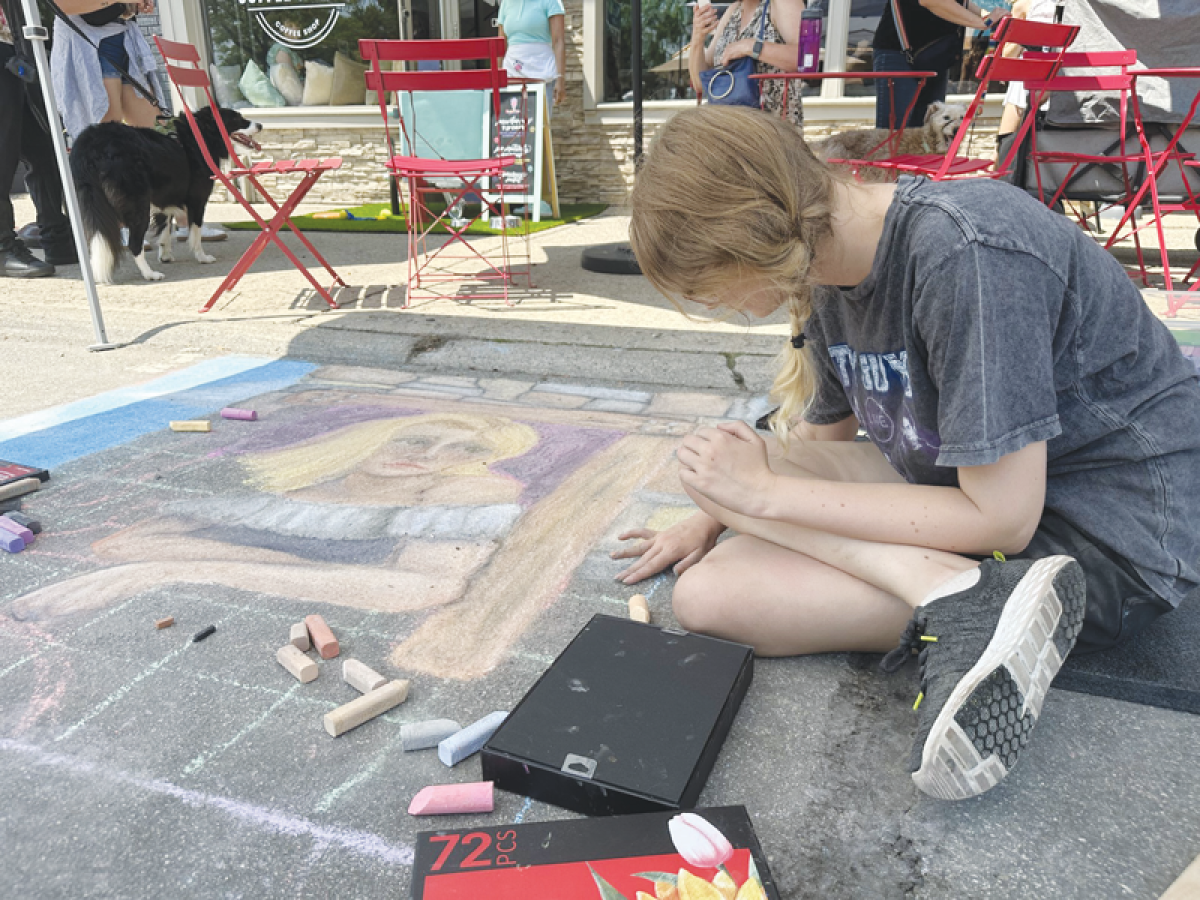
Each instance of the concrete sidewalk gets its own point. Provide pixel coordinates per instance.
(1104, 803)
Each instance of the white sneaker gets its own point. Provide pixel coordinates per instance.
(207, 233)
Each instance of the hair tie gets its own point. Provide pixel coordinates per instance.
(798, 341)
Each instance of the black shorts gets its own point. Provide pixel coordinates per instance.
(1119, 602)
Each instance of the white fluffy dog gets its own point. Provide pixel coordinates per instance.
(942, 121)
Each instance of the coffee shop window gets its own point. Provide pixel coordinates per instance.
(666, 30)
(271, 53)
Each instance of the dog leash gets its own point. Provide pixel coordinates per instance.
(133, 82)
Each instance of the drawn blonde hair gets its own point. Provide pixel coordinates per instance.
(726, 194)
(334, 455)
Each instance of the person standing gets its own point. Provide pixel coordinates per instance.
(737, 35)
(25, 136)
(535, 32)
(932, 41)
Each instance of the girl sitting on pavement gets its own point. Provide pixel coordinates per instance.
(1031, 483)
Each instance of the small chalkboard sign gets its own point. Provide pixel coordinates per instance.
(523, 131)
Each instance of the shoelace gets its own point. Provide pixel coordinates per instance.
(914, 636)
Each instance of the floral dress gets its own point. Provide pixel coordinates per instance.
(772, 88)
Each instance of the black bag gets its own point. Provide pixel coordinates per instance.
(730, 85)
(939, 55)
(106, 15)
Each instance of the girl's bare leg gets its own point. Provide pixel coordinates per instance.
(139, 112)
(116, 112)
(789, 590)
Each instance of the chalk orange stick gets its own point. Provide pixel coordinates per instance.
(322, 637)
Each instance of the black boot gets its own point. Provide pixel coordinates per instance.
(17, 262)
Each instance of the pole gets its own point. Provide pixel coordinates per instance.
(37, 36)
(635, 74)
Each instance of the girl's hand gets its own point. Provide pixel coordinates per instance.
(704, 21)
(728, 465)
(560, 90)
(146, 7)
(684, 544)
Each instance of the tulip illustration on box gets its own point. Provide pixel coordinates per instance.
(704, 847)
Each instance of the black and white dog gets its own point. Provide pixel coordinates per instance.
(141, 178)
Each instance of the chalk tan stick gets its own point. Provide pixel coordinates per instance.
(639, 611)
(366, 707)
(199, 425)
(294, 660)
(298, 637)
(19, 488)
(321, 636)
(1187, 885)
(361, 677)
(165, 623)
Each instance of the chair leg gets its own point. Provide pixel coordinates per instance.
(300, 236)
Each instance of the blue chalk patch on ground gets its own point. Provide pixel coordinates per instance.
(56, 436)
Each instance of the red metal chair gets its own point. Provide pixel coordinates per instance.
(994, 67)
(1109, 178)
(185, 70)
(456, 181)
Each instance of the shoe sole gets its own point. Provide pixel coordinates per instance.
(977, 736)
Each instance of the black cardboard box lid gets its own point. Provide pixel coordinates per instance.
(639, 701)
(565, 860)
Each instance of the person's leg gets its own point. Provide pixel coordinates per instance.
(112, 54)
(789, 590)
(892, 95)
(116, 112)
(933, 91)
(15, 259)
(138, 111)
(46, 187)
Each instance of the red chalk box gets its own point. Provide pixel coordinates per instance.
(568, 860)
(628, 719)
(11, 471)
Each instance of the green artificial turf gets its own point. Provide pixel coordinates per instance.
(366, 222)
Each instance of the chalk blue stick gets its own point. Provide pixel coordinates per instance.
(10, 542)
(471, 739)
(423, 735)
(13, 527)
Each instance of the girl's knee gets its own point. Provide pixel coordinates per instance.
(696, 600)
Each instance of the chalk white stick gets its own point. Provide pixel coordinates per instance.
(458, 747)
(639, 611)
(366, 707)
(298, 637)
(361, 677)
(294, 660)
(430, 733)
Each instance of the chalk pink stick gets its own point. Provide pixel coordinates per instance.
(19, 530)
(322, 637)
(448, 799)
(231, 412)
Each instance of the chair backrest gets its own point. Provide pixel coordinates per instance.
(185, 69)
(1053, 40)
(492, 78)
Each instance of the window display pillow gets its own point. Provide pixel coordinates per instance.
(257, 88)
(225, 86)
(349, 86)
(287, 82)
(318, 83)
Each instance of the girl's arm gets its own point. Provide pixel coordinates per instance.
(951, 11)
(558, 39)
(995, 507)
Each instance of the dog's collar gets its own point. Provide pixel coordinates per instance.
(168, 127)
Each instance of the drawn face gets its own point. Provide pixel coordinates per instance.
(425, 450)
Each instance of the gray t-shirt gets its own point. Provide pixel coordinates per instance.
(988, 323)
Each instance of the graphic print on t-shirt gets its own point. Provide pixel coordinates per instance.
(880, 393)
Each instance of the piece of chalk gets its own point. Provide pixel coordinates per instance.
(204, 633)
(639, 611)
(322, 638)
(165, 623)
(298, 637)
(297, 663)
(366, 707)
(247, 415)
(361, 677)
(19, 488)
(430, 733)
(448, 799)
(201, 425)
(462, 744)
(20, 531)
(21, 519)
(10, 542)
